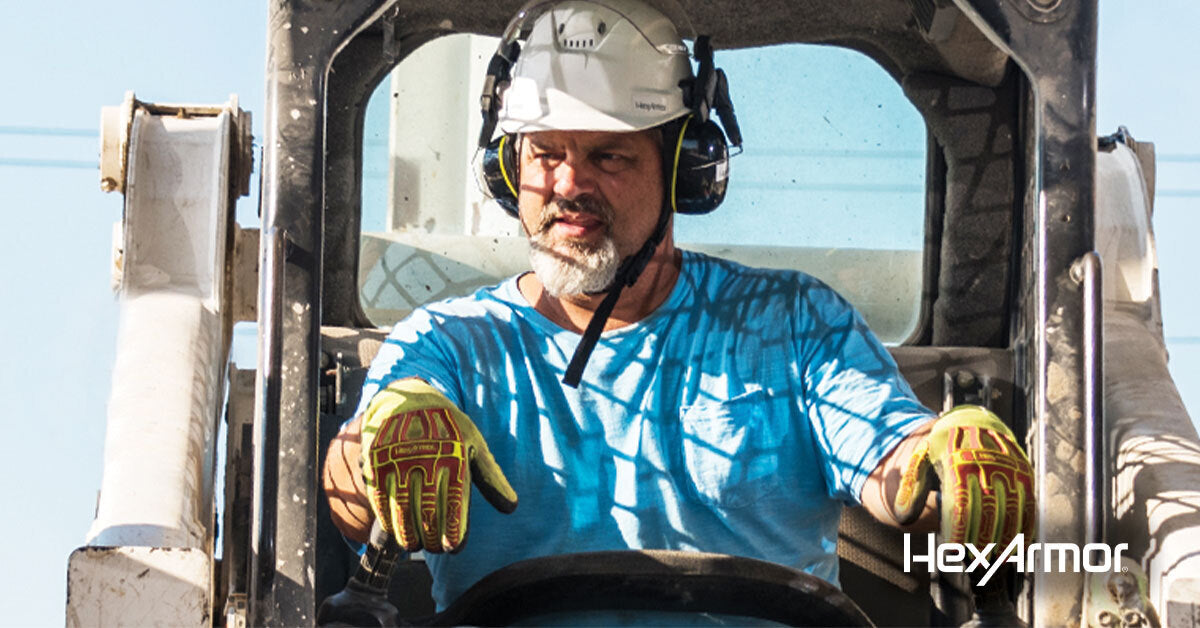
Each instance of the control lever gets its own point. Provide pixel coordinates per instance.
(993, 605)
(364, 601)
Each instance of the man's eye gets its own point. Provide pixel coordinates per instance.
(612, 162)
(549, 160)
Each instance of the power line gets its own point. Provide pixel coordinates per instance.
(48, 131)
(867, 188)
(70, 164)
(834, 153)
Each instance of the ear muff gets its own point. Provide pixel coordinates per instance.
(695, 159)
(697, 164)
(499, 172)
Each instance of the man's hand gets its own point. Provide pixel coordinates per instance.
(987, 481)
(419, 451)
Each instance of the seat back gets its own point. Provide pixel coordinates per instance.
(400, 271)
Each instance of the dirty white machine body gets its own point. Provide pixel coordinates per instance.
(148, 557)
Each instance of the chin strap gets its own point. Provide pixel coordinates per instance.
(627, 275)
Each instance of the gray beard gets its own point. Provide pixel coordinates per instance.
(566, 269)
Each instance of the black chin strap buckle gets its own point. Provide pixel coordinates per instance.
(590, 336)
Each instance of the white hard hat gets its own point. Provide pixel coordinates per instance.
(595, 65)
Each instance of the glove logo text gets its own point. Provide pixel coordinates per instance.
(1043, 557)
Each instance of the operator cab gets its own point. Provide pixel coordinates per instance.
(831, 182)
(917, 156)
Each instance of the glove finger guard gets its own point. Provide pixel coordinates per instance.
(986, 479)
(397, 498)
(914, 486)
(419, 450)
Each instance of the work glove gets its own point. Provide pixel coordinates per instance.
(986, 480)
(419, 454)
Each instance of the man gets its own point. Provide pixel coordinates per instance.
(724, 409)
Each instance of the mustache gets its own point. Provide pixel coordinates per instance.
(557, 207)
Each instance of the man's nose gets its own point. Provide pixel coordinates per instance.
(573, 178)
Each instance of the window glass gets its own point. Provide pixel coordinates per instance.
(831, 181)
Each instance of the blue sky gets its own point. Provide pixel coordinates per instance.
(66, 60)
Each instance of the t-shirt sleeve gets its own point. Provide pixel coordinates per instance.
(857, 403)
(414, 348)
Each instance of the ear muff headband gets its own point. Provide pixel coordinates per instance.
(699, 171)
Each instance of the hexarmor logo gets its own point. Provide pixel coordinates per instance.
(1060, 557)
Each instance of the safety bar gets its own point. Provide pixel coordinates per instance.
(1086, 271)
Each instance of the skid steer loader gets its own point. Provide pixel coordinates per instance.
(1024, 280)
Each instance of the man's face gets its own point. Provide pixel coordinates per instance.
(587, 200)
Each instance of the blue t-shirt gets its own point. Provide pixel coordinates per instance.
(737, 418)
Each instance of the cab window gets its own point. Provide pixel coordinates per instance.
(830, 182)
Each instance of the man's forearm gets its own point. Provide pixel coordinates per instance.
(344, 487)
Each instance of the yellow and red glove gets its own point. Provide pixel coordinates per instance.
(419, 454)
(986, 479)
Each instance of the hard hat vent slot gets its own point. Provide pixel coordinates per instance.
(581, 31)
(578, 43)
